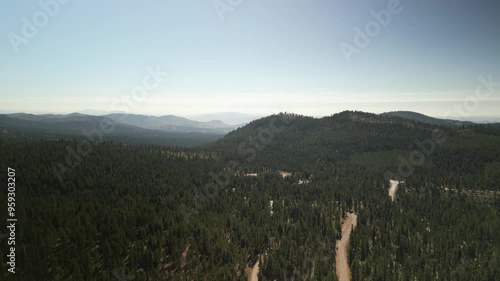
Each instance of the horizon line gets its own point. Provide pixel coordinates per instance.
(480, 119)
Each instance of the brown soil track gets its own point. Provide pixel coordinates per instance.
(252, 272)
(341, 264)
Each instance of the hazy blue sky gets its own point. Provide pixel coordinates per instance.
(260, 57)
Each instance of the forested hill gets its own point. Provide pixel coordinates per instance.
(425, 119)
(366, 141)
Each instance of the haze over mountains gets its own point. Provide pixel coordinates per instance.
(163, 123)
(124, 128)
(171, 129)
(233, 118)
(229, 118)
(426, 119)
(171, 123)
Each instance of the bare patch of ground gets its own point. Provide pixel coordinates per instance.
(284, 174)
(184, 256)
(479, 196)
(393, 189)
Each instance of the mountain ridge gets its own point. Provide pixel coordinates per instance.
(411, 115)
(90, 127)
(367, 139)
(168, 123)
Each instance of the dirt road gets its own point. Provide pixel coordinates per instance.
(393, 189)
(253, 272)
(342, 266)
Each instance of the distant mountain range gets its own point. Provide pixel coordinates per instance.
(233, 118)
(410, 115)
(169, 123)
(229, 118)
(172, 123)
(175, 130)
(169, 130)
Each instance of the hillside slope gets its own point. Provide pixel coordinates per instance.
(392, 146)
(410, 115)
(96, 128)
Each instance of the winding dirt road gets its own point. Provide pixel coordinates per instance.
(341, 264)
(253, 272)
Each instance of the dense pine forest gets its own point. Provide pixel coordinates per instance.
(272, 193)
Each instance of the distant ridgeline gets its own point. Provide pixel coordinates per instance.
(125, 128)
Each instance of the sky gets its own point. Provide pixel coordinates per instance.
(312, 57)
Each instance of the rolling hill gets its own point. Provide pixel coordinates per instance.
(363, 140)
(80, 126)
(410, 115)
(171, 123)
